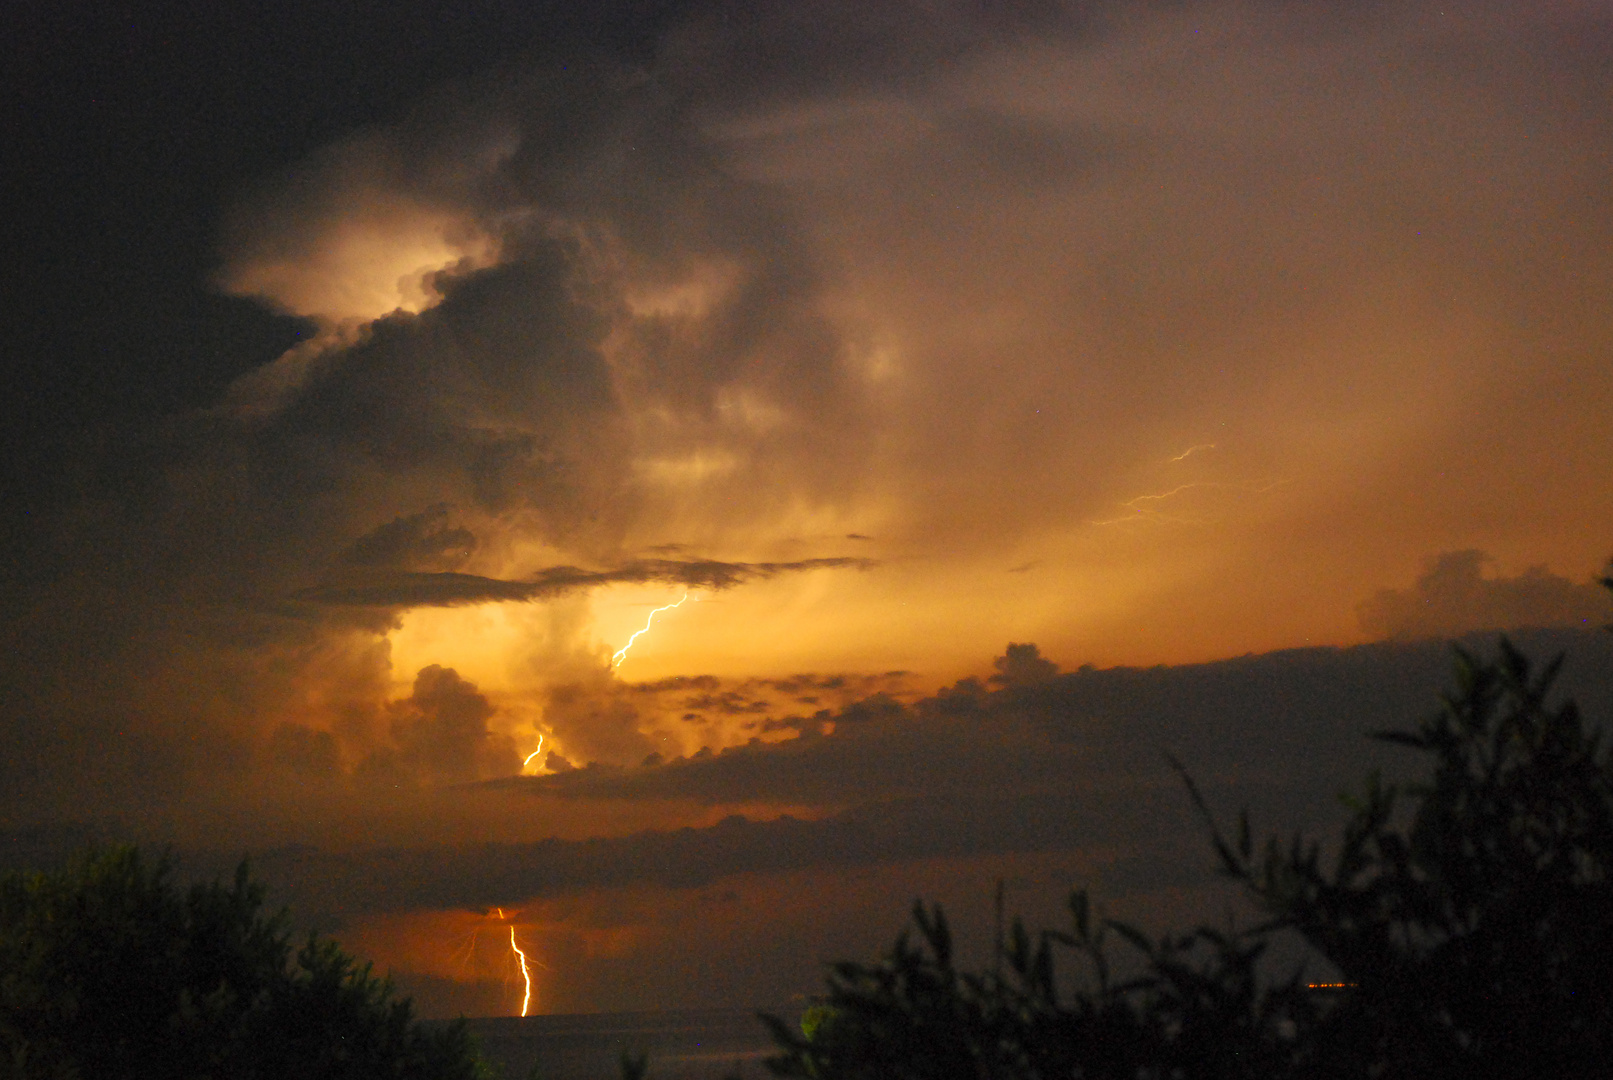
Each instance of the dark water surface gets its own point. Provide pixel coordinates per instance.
(693, 1044)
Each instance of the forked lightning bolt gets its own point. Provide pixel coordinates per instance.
(526, 973)
(622, 652)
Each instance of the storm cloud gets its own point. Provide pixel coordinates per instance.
(1072, 771)
(884, 334)
(406, 589)
(1078, 759)
(1454, 597)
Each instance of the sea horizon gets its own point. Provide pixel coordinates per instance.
(681, 1044)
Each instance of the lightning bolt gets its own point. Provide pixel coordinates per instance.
(1140, 512)
(1189, 452)
(621, 653)
(1131, 504)
(534, 753)
(526, 974)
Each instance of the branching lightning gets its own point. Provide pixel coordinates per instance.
(621, 653)
(1141, 512)
(526, 972)
(465, 952)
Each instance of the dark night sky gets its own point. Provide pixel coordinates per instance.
(130, 126)
(375, 371)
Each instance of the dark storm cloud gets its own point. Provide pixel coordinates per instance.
(327, 889)
(1454, 597)
(446, 589)
(1068, 761)
(1293, 719)
(440, 735)
(763, 53)
(525, 218)
(408, 541)
(498, 395)
(159, 629)
(305, 751)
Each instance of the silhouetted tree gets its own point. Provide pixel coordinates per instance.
(109, 971)
(1478, 936)
(1473, 935)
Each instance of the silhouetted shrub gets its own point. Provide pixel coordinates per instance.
(109, 971)
(1473, 936)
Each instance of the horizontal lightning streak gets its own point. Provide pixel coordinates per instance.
(1190, 451)
(1140, 512)
(1132, 503)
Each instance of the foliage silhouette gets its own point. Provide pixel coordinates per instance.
(108, 971)
(1471, 935)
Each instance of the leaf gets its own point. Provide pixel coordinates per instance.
(1136, 937)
